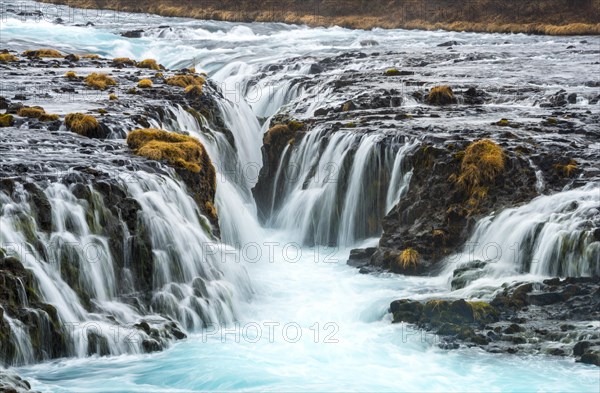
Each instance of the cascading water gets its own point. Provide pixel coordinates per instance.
(334, 190)
(347, 341)
(75, 270)
(553, 235)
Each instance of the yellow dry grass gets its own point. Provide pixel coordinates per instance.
(178, 150)
(51, 53)
(31, 112)
(99, 81)
(150, 64)
(80, 123)
(482, 162)
(440, 95)
(145, 83)
(409, 257)
(185, 80)
(8, 58)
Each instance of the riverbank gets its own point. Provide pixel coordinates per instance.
(551, 17)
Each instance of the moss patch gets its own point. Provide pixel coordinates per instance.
(7, 57)
(440, 95)
(6, 120)
(482, 162)
(150, 64)
(145, 83)
(178, 150)
(81, 124)
(99, 81)
(409, 257)
(51, 53)
(185, 81)
(71, 75)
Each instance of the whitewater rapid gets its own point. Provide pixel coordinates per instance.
(308, 321)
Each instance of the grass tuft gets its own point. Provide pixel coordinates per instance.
(440, 95)
(90, 56)
(178, 150)
(145, 83)
(7, 58)
(149, 64)
(409, 257)
(185, 81)
(81, 124)
(482, 162)
(32, 112)
(568, 169)
(99, 81)
(124, 61)
(113, 97)
(71, 75)
(6, 120)
(51, 53)
(193, 91)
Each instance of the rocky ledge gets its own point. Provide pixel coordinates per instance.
(555, 317)
(82, 150)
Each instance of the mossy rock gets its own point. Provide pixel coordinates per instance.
(440, 95)
(7, 120)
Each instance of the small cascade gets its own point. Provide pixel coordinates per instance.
(555, 235)
(336, 189)
(235, 173)
(94, 277)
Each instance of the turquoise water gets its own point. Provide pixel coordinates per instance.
(330, 327)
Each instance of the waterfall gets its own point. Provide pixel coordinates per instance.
(336, 188)
(76, 271)
(553, 235)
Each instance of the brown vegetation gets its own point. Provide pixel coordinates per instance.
(43, 53)
(150, 64)
(556, 17)
(7, 57)
(6, 120)
(123, 61)
(178, 150)
(99, 81)
(440, 95)
(483, 160)
(185, 81)
(71, 75)
(81, 124)
(408, 258)
(144, 83)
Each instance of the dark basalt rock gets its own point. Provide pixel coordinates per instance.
(133, 33)
(10, 382)
(433, 217)
(512, 322)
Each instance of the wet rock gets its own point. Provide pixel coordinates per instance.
(133, 33)
(544, 299)
(433, 217)
(11, 382)
(71, 58)
(315, 69)
(450, 43)
(468, 273)
(360, 257)
(581, 347)
(591, 357)
(368, 43)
